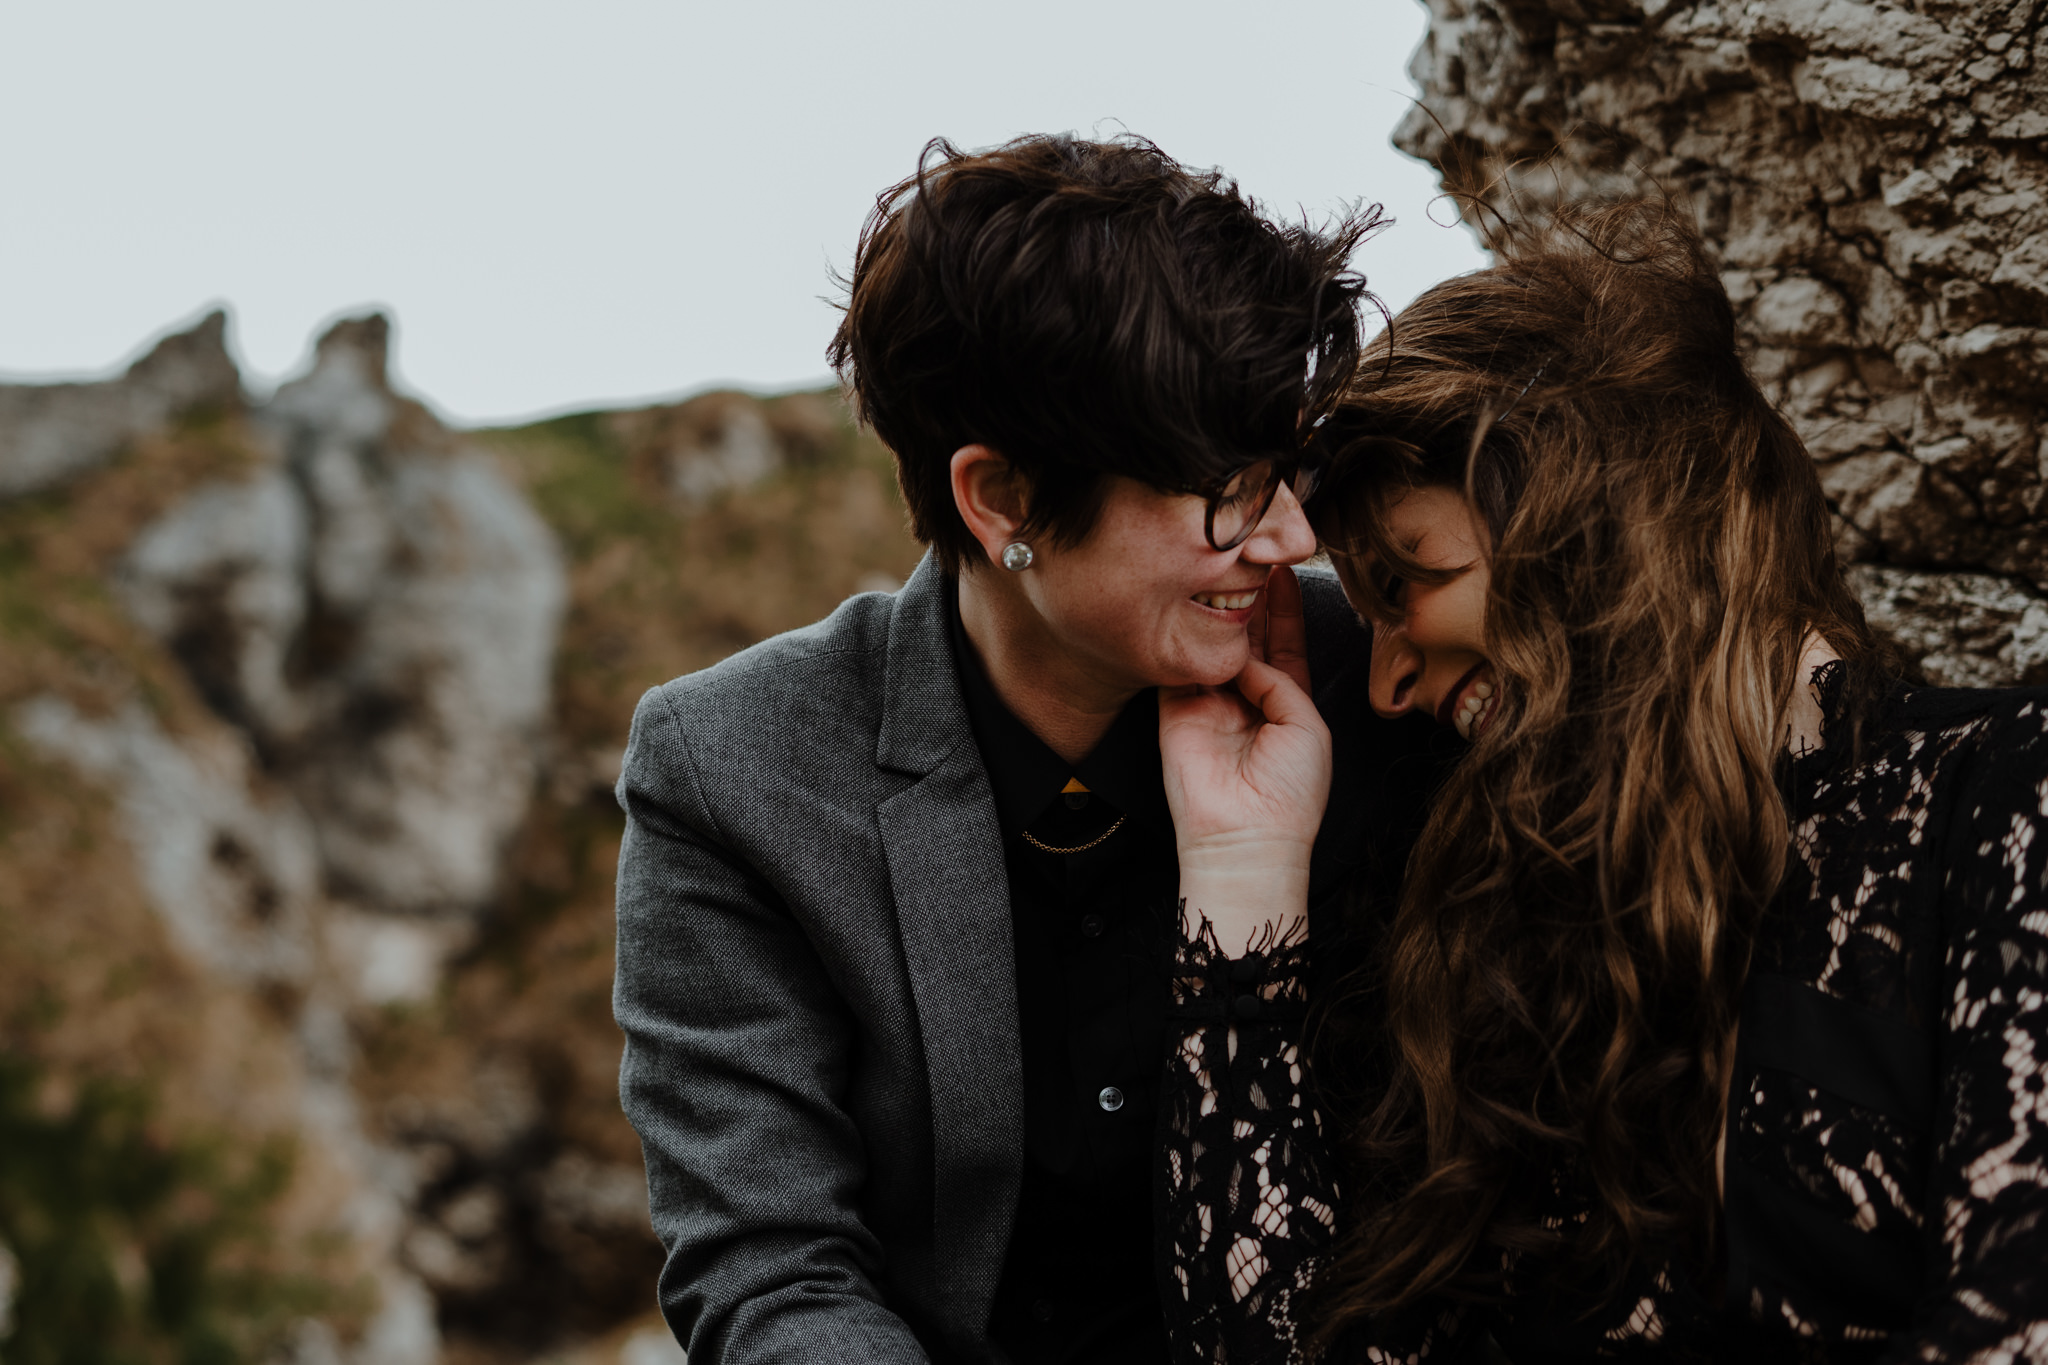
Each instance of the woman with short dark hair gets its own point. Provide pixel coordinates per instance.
(1713, 1015)
(893, 887)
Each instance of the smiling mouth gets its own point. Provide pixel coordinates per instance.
(1226, 601)
(1468, 706)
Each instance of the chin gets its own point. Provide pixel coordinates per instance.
(1214, 670)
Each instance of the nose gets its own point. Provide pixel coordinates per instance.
(1283, 535)
(1396, 668)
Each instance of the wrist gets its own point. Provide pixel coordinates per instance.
(1253, 893)
(1244, 888)
(1239, 855)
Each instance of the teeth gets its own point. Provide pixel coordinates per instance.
(1470, 717)
(1228, 601)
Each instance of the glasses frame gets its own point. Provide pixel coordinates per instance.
(1302, 473)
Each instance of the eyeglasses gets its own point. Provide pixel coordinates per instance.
(1241, 502)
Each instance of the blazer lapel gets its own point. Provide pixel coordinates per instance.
(946, 871)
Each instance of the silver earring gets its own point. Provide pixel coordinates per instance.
(1017, 556)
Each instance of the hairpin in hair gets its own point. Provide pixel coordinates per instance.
(1524, 393)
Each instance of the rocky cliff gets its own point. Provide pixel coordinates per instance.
(309, 710)
(1874, 177)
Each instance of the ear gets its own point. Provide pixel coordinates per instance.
(992, 496)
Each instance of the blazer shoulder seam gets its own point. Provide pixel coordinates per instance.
(697, 793)
(733, 666)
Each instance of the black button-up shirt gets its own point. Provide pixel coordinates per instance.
(1093, 877)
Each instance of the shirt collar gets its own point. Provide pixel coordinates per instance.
(1025, 774)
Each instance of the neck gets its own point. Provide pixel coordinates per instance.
(1803, 717)
(1057, 696)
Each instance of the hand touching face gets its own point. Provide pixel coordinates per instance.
(1249, 762)
(1247, 768)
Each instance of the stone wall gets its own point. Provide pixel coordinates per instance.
(1874, 178)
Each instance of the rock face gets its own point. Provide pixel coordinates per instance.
(369, 609)
(234, 875)
(1874, 178)
(53, 432)
(378, 610)
(310, 710)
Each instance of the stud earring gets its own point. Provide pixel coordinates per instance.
(1017, 556)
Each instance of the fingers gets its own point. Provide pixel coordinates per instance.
(1213, 710)
(1255, 630)
(1283, 640)
(1277, 696)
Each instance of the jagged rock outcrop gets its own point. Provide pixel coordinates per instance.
(53, 432)
(312, 708)
(1875, 179)
(378, 611)
(369, 609)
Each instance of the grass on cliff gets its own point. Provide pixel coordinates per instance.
(663, 583)
(131, 1249)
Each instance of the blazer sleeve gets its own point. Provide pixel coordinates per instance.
(734, 1074)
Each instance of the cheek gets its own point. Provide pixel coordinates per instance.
(1109, 613)
(1140, 591)
(1140, 625)
(1452, 617)
(1139, 616)
(1471, 615)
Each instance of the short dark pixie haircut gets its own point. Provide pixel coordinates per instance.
(1084, 309)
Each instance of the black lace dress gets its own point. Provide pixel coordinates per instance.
(1887, 1161)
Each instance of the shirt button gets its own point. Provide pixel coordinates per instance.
(1091, 926)
(1042, 1310)
(1111, 1099)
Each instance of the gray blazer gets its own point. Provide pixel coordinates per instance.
(816, 986)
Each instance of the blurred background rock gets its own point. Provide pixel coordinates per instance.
(310, 704)
(312, 708)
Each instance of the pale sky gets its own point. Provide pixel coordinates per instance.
(567, 205)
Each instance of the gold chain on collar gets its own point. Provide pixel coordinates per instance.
(1078, 848)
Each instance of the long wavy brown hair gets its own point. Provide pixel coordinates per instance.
(1560, 980)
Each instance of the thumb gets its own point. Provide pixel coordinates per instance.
(1286, 634)
(1277, 696)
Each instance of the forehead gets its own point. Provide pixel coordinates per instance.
(1433, 518)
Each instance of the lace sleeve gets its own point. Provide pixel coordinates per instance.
(1987, 1206)
(1249, 1191)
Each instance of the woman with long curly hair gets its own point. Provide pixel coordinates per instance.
(1713, 1013)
